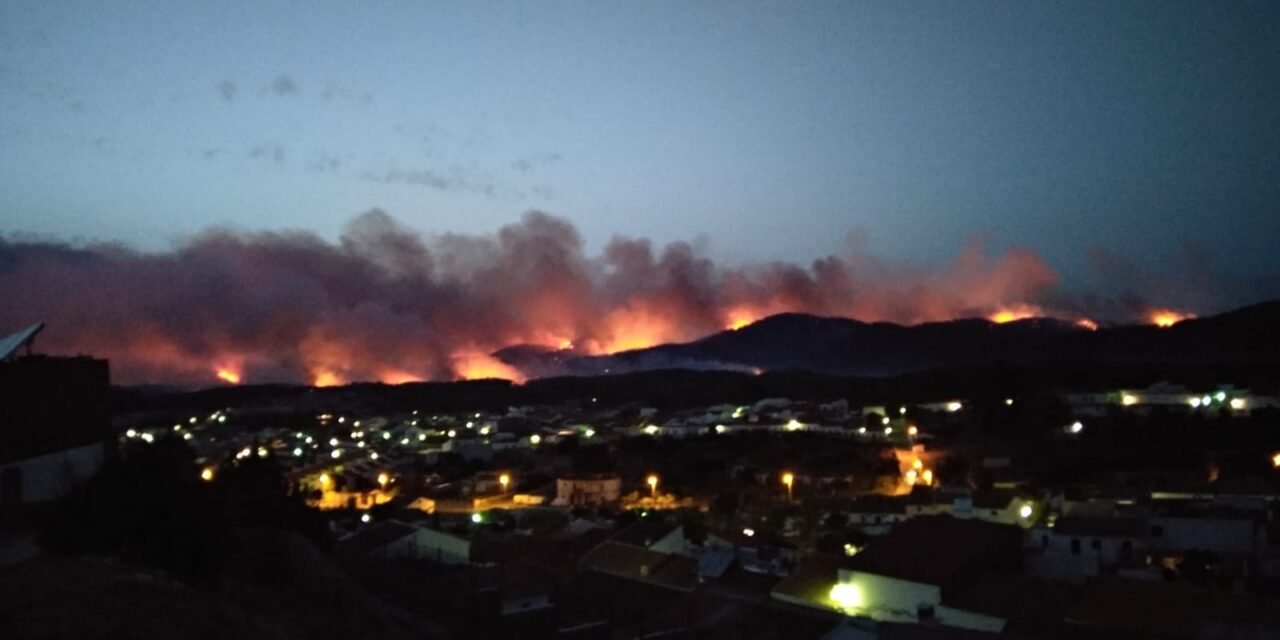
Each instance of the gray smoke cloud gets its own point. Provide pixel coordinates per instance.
(385, 302)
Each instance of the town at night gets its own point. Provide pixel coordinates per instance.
(609, 321)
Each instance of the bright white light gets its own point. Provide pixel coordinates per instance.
(1128, 400)
(1008, 402)
(721, 428)
(422, 437)
(652, 429)
(1025, 511)
(453, 433)
(341, 420)
(884, 420)
(386, 435)
(902, 411)
(1220, 396)
(404, 441)
(333, 442)
(131, 434)
(360, 444)
(888, 431)
(177, 427)
(1076, 427)
(337, 453)
(262, 452)
(535, 439)
(793, 425)
(356, 423)
(222, 419)
(1238, 403)
(484, 431)
(470, 424)
(187, 436)
(748, 532)
(954, 406)
(846, 596)
(192, 420)
(862, 430)
(365, 518)
(477, 518)
(589, 433)
(1206, 400)
(297, 452)
(148, 438)
(1194, 402)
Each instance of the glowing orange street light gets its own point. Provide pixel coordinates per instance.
(325, 481)
(1275, 460)
(504, 480)
(206, 474)
(652, 481)
(788, 479)
(383, 479)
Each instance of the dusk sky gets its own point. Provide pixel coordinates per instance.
(1139, 133)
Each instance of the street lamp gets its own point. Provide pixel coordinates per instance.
(652, 481)
(788, 479)
(325, 481)
(383, 479)
(206, 474)
(504, 480)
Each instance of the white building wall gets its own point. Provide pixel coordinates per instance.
(429, 544)
(49, 476)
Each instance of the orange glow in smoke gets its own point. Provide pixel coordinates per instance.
(1165, 318)
(396, 376)
(1085, 323)
(739, 318)
(565, 345)
(227, 375)
(479, 366)
(1013, 314)
(638, 326)
(325, 378)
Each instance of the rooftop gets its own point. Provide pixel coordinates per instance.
(940, 550)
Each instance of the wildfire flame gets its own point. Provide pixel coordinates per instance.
(1085, 323)
(1015, 313)
(325, 378)
(739, 318)
(1165, 318)
(229, 376)
(480, 366)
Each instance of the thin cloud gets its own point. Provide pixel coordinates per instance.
(227, 90)
(274, 152)
(284, 85)
(535, 161)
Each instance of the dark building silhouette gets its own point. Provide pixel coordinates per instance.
(55, 420)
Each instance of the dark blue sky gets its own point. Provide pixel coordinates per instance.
(1140, 135)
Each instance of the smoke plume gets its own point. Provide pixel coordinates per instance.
(387, 303)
